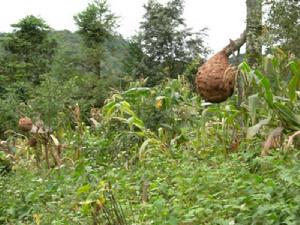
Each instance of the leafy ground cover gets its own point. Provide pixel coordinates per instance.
(162, 156)
(183, 189)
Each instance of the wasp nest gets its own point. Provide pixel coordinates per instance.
(25, 124)
(216, 78)
(32, 142)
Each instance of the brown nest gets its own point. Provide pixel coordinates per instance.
(25, 124)
(215, 79)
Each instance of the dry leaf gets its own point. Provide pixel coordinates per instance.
(273, 141)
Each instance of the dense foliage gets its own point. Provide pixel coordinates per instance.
(283, 24)
(96, 26)
(137, 145)
(29, 50)
(167, 45)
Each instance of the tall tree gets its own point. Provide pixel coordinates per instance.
(29, 50)
(96, 25)
(254, 30)
(167, 43)
(283, 22)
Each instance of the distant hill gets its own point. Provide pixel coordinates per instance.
(70, 47)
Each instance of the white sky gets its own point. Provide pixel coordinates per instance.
(224, 18)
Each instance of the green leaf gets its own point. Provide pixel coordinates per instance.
(264, 82)
(252, 131)
(245, 67)
(295, 68)
(84, 189)
(253, 100)
(292, 87)
(2, 155)
(294, 83)
(137, 92)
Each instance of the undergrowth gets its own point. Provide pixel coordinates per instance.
(240, 188)
(162, 156)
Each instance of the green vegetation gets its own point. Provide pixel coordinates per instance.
(167, 43)
(137, 145)
(283, 25)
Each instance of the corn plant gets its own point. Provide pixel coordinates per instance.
(285, 106)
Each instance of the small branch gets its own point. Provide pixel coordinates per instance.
(235, 45)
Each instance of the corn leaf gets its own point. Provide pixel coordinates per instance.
(252, 131)
(294, 83)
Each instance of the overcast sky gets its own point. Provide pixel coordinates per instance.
(225, 19)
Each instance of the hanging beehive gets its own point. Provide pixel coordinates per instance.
(215, 79)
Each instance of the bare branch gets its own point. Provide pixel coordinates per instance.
(235, 45)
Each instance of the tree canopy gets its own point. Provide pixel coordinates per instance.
(283, 25)
(29, 50)
(167, 43)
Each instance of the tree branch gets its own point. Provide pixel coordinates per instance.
(235, 45)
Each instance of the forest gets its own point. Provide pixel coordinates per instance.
(154, 129)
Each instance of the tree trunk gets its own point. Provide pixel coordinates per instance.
(254, 28)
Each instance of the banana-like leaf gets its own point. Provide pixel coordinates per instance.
(125, 107)
(203, 121)
(289, 119)
(134, 121)
(244, 67)
(108, 109)
(143, 147)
